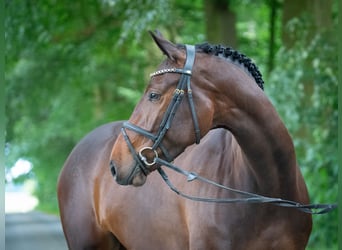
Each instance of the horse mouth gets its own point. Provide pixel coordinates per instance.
(135, 178)
(139, 179)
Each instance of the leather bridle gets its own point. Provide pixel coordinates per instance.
(143, 164)
(183, 88)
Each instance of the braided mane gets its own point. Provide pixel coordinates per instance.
(235, 56)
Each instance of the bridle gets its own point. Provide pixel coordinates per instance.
(143, 164)
(183, 88)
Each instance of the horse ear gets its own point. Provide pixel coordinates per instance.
(168, 48)
(158, 33)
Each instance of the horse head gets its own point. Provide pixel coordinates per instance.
(181, 103)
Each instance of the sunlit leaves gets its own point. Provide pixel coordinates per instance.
(138, 16)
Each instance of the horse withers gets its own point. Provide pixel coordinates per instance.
(207, 94)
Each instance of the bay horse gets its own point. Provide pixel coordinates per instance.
(244, 145)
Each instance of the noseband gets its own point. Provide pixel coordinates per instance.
(183, 88)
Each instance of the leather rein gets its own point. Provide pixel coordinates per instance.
(143, 163)
(248, 197)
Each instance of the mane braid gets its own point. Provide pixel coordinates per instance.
(235, 56)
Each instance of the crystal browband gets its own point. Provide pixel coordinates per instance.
(171, 70)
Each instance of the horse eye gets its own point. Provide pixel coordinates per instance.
(154, 96)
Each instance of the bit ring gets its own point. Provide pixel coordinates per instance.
(144, 158)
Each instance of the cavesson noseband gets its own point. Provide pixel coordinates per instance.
(183, 88)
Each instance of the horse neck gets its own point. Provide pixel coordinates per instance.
(254, 122)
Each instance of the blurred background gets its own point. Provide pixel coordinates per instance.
(71, 66)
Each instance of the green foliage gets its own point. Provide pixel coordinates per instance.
(65, 75)
(304, 89)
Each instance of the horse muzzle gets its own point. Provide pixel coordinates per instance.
(135, 177)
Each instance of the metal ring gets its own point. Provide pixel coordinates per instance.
(144, 159)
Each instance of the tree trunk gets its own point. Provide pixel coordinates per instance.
(220, 23)
(317, 12)
(273, 5)
(315, 17)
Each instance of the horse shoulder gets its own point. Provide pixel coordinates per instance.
(76, 188)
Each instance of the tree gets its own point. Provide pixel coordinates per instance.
(69, 76)
(220, 22)
(274, 9)
(317, 12)
(306, 77)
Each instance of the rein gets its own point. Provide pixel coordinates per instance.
(249, 197)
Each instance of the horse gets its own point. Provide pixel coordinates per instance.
(241, 143)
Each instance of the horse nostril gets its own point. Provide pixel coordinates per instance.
(112, 168)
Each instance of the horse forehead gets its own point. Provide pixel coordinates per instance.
(163, 80)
